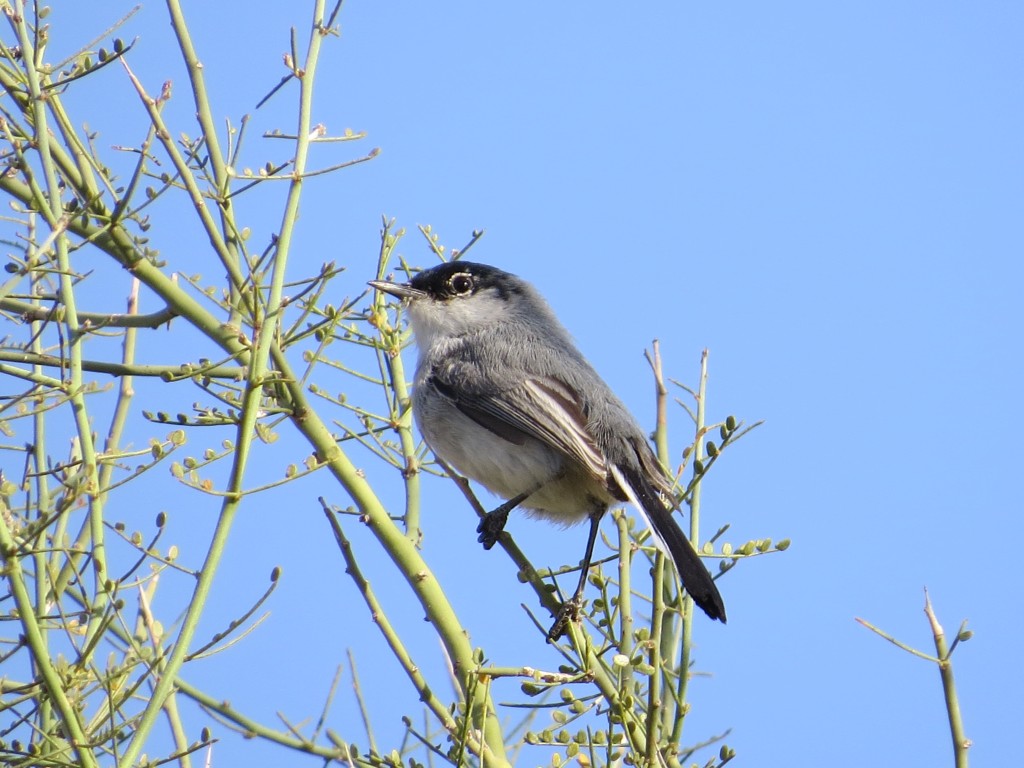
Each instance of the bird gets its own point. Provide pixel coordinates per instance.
(502, 394)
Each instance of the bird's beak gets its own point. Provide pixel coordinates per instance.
(398, 290)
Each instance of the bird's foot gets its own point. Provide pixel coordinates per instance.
(491, 526)
(570, 611)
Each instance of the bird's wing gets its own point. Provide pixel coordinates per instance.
(543, 408)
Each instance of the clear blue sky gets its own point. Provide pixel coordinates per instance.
(829, 197)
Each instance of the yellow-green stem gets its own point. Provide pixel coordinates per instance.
(625, 585)
(41, 566)
(36, 642)
(961, 743)
(266, 334)
(654, 702)
(698, 455)
(52, 209)
(393, 369)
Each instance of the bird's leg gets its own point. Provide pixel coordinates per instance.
(570, 610)
(493, 523)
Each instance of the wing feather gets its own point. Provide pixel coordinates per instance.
(545, 409)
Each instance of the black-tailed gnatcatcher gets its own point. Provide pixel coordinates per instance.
(503, 395)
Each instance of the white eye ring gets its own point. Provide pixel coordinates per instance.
(461, 283)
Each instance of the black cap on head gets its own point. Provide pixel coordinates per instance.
(455, 279)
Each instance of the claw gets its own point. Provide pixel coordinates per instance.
(491, 526)
(570, 611)
(493, 523)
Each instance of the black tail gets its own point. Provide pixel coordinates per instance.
(695, 577)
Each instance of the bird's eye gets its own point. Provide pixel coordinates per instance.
(461, 284)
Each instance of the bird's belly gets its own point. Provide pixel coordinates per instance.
(565, 492)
